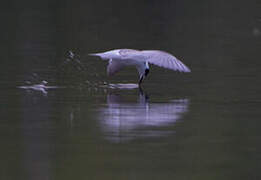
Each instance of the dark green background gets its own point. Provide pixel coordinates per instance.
(60, 136)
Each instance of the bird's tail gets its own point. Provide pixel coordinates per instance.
(101, 55)
(95, 54)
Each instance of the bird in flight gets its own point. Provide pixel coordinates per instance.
(119, 58)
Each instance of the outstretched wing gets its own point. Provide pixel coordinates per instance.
(163, 59)
(114, 66)
(159, 58)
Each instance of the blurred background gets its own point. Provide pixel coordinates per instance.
(202, 125)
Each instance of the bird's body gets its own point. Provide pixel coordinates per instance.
(120, 58)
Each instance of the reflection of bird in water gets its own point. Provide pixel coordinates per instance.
(120, 58)
(121, 120)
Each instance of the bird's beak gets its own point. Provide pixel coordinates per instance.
(141, 78)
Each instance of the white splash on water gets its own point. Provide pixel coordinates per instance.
(41, 87)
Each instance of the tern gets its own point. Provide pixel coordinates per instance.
(119, 58)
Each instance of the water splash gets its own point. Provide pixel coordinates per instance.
(41, 87)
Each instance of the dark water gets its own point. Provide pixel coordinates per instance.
(203, 125)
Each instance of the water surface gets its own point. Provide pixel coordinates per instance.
(202, 125)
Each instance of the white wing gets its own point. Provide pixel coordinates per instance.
(163, 59)
(114, 57)
(156, 57)
(114, 66)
